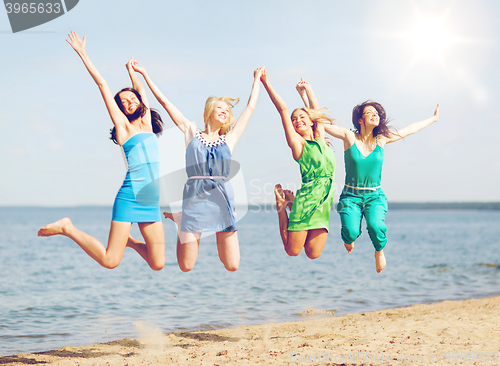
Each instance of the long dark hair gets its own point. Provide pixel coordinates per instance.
(156, 121)
(382, 128)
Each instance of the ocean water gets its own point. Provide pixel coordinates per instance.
(53, 295)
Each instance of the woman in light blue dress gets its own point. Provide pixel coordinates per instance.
(208, 202)
(137, 201)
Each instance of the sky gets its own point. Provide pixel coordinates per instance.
(407, 55)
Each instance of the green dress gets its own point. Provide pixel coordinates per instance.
(313, 201)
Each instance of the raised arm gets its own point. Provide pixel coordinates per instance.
(136, 82)
(137, 85)
(118, 118)
(414, 127)
(342, 133)
(177, 117)
(239, 127)
(310, 101)
(307, 94)
(293, 139)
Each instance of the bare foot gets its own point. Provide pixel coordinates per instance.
(380, 261)
(56, 228)
(289, 197)
(175, 217)
(280, 197)
(131, 241)
(349, 247)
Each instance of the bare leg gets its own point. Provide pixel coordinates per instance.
(108, 257)
(292, 240)
(315, 242)
(153, 251)
(349, 247)
(281, 204)
(154, 235)
(289, 198)
(187, 250)
(229, 249)
(380, 260)
(295, 243)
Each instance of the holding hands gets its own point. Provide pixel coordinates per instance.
(257, 74)
(263, 76)
(133, 64)
(301, 87)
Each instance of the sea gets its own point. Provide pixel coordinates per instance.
(53, 295)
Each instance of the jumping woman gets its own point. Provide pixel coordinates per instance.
(364, 156)
(135, 130)
(208, 198)
(307, 225)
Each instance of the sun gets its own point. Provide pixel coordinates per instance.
(430, 37)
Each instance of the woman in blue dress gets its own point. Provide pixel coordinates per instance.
(208, 202)
(135, 129)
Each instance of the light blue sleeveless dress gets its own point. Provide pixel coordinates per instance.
(208, 197)
(138, 199)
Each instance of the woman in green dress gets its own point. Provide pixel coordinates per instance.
(307, 225)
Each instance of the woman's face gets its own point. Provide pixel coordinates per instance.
(301, 121)
(220, 113)
(129, 101)
(370, 117)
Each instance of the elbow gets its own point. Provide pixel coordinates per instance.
(163, 102)
(101, 84)
(251, 108)
(282, 109)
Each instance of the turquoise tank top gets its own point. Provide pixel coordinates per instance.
(363, 171)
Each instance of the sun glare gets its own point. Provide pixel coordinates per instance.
(430, 38)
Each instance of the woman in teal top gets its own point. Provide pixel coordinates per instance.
(307, 226)
(364, 156)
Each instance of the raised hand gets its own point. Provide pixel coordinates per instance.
(258, 72)
(301, 88)
(436, 112)
(263, 75)
(77, 43)
(136, 67)
(130, 63)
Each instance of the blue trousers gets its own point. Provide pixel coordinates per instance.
(353, 205)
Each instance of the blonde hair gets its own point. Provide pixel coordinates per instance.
(316, 116)
(210, 105)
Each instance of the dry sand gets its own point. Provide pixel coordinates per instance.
(448, 333)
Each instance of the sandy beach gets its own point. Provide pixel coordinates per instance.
(447, 333)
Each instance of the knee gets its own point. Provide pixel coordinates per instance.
(292, 252)
(232, 267)
(157, 266)
(312, 254)
(349, 234)
(378, 236)
(186, 267)
(377, 228)
(111, 263)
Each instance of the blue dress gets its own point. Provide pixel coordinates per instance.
(208, 198)
(138, 199)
